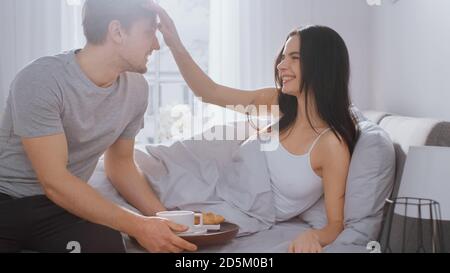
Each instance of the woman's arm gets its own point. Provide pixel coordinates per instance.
(335, 161)
(199, 82)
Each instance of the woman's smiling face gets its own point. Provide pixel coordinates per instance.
(289, 70)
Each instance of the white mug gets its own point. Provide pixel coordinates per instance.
(186, 218)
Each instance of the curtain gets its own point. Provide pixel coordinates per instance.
(245, 36)
(31, 29)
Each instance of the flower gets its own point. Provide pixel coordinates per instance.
(174, 122)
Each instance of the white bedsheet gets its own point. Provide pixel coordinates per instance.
(274, 240)
(218, 176)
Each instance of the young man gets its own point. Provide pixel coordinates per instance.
(63, 113)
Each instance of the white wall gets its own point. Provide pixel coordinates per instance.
(411, 58)
(352, 20)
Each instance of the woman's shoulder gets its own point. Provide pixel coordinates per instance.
(333, 146)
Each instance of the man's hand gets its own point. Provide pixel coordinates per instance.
(307, 242)
(166, 25)
(157, 236)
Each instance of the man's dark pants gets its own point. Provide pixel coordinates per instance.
(37, 224)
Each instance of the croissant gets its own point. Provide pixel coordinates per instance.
(210, 218)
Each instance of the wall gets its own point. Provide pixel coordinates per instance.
(411, 56)
(352, 20)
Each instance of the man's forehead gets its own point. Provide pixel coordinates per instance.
(147, 22)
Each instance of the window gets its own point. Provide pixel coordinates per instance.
(168, 91)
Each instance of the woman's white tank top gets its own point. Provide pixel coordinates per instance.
(295, 185)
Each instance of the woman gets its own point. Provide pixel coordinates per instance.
(317, 130)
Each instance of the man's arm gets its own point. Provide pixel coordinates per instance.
(49, 156)
(128, 179)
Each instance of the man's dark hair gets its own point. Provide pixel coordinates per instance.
(98, 14)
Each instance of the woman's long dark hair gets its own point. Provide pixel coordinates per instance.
(325, 68)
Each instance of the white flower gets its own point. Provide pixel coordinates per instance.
(174, 123)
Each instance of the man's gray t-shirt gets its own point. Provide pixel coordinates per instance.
(52, 96)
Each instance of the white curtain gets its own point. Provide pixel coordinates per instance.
(31, 29)
(245, 36)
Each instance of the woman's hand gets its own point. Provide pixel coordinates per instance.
(307, 242)
(166, 26)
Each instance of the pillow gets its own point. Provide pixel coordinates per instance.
(360, 117)
(370, 182)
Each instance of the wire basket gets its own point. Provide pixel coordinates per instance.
(414, 225)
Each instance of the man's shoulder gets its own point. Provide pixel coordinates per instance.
(136, 79)
(137, 91)
(39, 78)
(55, 61)
(137, 83)
(42, 69)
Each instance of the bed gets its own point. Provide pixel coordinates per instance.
(370, 182)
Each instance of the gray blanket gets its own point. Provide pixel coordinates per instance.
(225, 177)
(219, 176)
